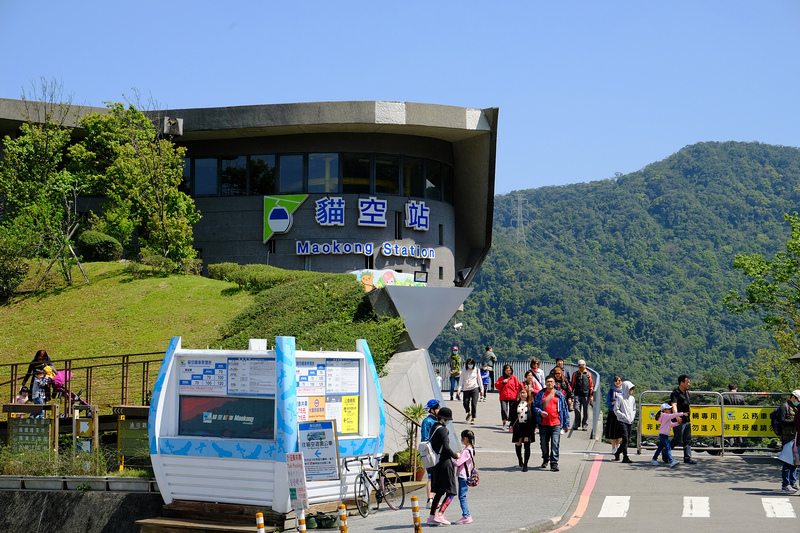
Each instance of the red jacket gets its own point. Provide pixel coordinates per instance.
(510, 390)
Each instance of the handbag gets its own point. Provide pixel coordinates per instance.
(473, 479)
(427, 456)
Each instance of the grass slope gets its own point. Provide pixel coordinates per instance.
(117, 314)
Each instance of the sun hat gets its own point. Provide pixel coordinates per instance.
(445, 413)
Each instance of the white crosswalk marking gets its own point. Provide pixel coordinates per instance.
(615, 507)
(778, 508)
(696, 507)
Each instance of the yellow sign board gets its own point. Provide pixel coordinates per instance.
(706, 420)
(748, 421)
(349, 414)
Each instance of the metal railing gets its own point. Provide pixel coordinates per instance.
(105, 380)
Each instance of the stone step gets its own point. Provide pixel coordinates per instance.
(184, 525)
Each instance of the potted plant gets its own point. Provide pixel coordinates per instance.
(414, 414)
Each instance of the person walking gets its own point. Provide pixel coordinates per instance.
(485, 381)
(425, 434)
(489, 359)
(443, 482)
(625, 409)
(681, 402)
(788, 411)
(470, 385)
(531, 383)
(613, 432)
(564, 371)
(509, 387)
(583, 394)
(454, 363)
(524, 427)
(538, 373)
(667, 420)
(552, 415)
(562, 385)
(465, 464)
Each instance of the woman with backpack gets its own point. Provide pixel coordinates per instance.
(443, 483)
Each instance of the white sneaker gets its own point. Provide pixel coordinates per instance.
(429, 503)
(653, 462)
(613, 450)
(674, 463)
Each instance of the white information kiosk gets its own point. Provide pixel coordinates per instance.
(222, 421)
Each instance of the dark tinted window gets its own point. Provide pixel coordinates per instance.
(387, 174)
(291, 174)
(262, 174)
(356, 173)
(433, 183)
(205, 176)
(323, 173)
(414, 177)
(233, 176)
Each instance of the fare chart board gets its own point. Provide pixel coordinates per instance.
(237, 376)
(328, 389)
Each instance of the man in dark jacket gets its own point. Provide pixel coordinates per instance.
(583, 391)
(788, 411)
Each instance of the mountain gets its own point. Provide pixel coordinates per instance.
(629, 273)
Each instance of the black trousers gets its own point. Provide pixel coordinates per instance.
(626, 437)
(470, 401)
(581, 406)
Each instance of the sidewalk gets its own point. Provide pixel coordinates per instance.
(506, 499)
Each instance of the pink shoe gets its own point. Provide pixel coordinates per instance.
(464, 520)
(441, 520)
(432, 522)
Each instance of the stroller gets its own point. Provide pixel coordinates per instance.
(60, 381)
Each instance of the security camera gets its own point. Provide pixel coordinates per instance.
(458, 325)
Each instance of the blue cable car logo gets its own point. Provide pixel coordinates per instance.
(280, 220)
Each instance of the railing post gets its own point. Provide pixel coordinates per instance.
(124, 380)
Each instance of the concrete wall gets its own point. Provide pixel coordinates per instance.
(90, 512)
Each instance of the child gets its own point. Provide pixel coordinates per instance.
(22, 398)
(667, 421)
(40, 382)
(438, 380)
(484, 381)
(464, 466)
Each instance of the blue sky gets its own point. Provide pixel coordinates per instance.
(585, 88)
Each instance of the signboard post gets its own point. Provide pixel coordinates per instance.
(298, 493)
(318, 442)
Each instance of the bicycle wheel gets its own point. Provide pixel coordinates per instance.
(362, 494)
(393, 491)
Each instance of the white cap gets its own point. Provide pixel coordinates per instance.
(796, 393)
(581, 362)
(665, 406)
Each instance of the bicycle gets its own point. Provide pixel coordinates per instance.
(388, 486)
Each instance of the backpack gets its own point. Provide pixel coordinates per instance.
(427, 456)
(776, 418)
(472, 478)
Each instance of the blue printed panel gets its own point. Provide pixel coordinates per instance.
(357, 446)
(220, 449)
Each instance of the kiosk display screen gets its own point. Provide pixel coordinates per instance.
(227, 417)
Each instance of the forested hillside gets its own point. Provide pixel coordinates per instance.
(629, 273)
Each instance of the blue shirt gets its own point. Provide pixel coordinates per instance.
(425, 427)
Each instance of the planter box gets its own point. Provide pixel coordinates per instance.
(129, 484)
(43, 482)
(154, 486)
(93, 482)
(10, 482)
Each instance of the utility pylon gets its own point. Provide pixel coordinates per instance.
(520, 209)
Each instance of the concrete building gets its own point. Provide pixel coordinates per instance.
(338, 186)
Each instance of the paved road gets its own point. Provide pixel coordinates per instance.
(720, 494)
(507, 499)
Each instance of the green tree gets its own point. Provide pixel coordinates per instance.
(39, 192)
(139, 172)
(774, 295)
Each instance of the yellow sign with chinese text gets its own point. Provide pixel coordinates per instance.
(748, 421)
(706, 420)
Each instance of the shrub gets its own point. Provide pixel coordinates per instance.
(96, 246)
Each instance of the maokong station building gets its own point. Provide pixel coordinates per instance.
(403, 190)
